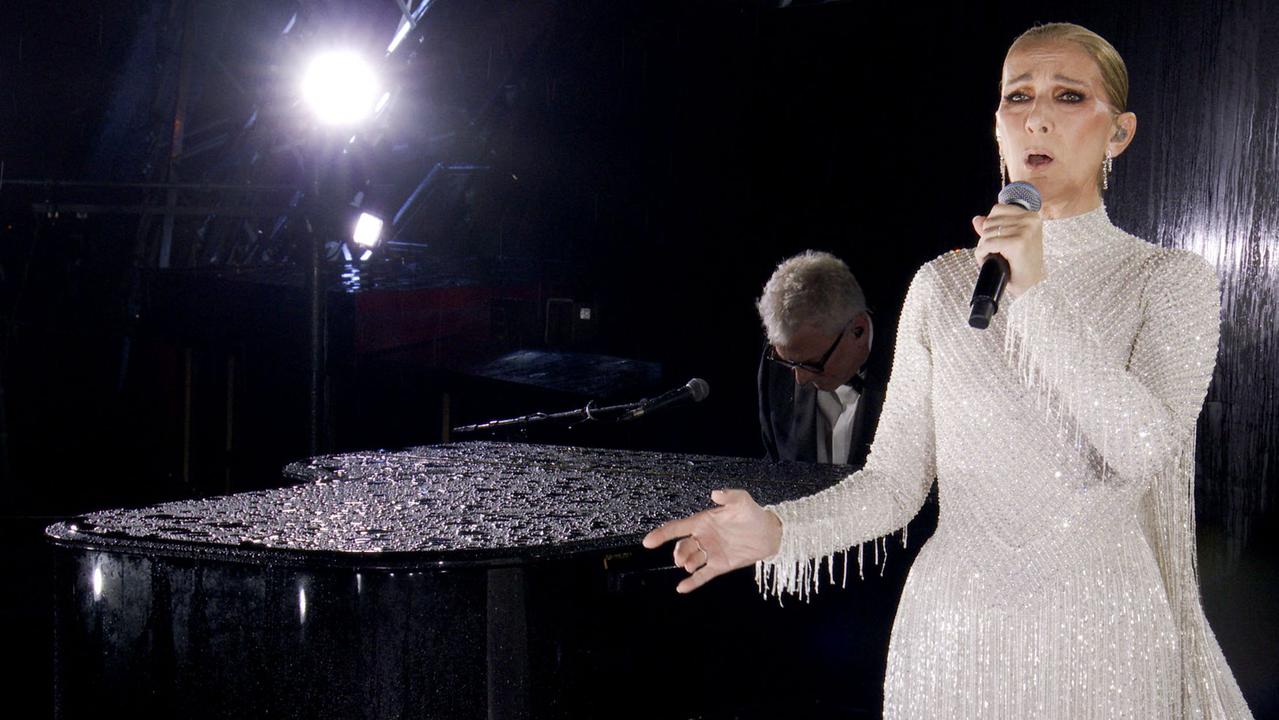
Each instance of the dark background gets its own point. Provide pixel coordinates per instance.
(652, 160)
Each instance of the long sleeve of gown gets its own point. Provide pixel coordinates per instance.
(891, 487)
(1134, 411)
(1137, 416)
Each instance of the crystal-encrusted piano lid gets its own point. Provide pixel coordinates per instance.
(478, 501)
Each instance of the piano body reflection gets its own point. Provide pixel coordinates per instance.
(454, 581)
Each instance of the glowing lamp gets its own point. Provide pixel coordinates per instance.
(341, 88)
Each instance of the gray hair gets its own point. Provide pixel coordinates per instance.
(813, 288)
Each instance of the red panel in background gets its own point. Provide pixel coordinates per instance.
(392, 319)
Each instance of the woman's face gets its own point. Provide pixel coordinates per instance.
(1054, 124)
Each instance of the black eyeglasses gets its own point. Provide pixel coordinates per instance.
(816, 368)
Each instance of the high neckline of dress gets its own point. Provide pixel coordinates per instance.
(1078, 233)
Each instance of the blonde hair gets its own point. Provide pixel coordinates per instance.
(1114, 73)
(813, 288)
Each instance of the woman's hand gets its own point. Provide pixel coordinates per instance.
(1018, 235)
(715, 541)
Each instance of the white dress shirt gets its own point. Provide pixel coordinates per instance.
(834, 420)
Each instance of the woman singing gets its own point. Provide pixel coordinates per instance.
(1061, 579)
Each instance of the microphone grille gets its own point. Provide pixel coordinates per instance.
(1023, 194)
(699, 389)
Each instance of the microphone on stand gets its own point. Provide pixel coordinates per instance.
(993, 277)
(695, 390)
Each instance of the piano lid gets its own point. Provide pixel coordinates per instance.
(467, 503)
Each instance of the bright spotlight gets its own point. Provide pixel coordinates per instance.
(340, 87)
(368, 231)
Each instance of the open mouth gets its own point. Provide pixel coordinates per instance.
(1038, 160)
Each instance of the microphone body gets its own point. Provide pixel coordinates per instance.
(993, 278)
(695, 390)
(988, 291)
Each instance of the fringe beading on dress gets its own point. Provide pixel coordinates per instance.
(1061, 580)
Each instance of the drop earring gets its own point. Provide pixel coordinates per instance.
(1107, 167)
(1003, 166)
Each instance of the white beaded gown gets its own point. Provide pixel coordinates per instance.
(1061, 580)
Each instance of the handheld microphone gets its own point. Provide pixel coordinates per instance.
(993, 278)
(695, 390)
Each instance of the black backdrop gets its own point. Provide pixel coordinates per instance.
(670, 154)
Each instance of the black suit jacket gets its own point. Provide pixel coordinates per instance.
(788, 410)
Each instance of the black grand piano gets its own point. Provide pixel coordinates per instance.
(470, 580)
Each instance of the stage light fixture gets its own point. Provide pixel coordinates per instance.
(400, 33)
(341, 88)
(368, 231)
(411, 16)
